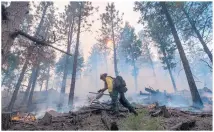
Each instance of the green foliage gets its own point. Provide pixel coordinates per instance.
(199, 12)
(111, 22)
(158, 29)
(9, 74)
(12, 64)
(141, 122)
(61, 63)
(130, 47)
(129, 44)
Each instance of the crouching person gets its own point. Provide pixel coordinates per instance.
(116, 86)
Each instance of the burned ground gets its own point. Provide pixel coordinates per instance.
(90, 119)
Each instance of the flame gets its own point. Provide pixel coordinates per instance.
(151, 106)
(26, 118)
(15, 118)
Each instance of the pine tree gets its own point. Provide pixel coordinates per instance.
(131, 48)
(152, 10)
(111, 27)
(85, 9)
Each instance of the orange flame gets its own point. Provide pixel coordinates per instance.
(151, 106)
(26, 118)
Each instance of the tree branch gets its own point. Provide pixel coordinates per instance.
(207, 64)
(204, 27)
(180, 71)
(39, 42)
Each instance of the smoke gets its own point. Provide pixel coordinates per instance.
(89, 81)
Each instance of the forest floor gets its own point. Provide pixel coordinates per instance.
(125, 121)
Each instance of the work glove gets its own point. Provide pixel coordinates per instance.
(99, 90)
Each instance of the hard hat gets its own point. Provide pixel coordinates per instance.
(103, 75)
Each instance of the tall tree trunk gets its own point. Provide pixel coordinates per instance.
(41, 86)
(46, 88)
(29, 104)
(15, 13)
(206, 49)
(37, 68)
(135, 76)
(42, 19)
(150, 59)
(194, 92)
(70, 36)
(114, 46)
(169, 69)
(73, 78)
(106, 60)
(134, 67)
(96, 71)
(15, 93)
(26, 95)
(25, 99)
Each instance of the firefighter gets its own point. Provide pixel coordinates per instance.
(109, 84)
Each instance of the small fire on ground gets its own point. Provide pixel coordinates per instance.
(152, 106)
(23, 117)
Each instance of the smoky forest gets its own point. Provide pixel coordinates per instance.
(106, 65)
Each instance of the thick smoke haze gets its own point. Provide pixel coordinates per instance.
(90, 82)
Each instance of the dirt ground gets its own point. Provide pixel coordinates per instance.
(126, 121)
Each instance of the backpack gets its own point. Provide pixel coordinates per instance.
(120, 84)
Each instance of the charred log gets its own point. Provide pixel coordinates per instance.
(160, 111)
(108, 123)
(184, 125)
(6, 120)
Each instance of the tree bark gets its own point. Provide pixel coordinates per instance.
(42, 19)
(15, 93)
(96, 71)
(169, 69)
(206, 49)
(6, 120)
(29, 104)
(70, 36)
(194, 92)
(106, 60)
(73, 78)
(114, 46)
(15, 14)
(25, 98)
(41, 86)
(46, 88)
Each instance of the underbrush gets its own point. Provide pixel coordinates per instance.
(141, 122)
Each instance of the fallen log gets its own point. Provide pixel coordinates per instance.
(184, 125)
(84, 112)
(108, 123)
(105, 120)
(6, 120)
(197, 114)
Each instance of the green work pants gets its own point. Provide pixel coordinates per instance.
(122, 100)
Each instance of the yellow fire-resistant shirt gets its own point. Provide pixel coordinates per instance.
(109, 82)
